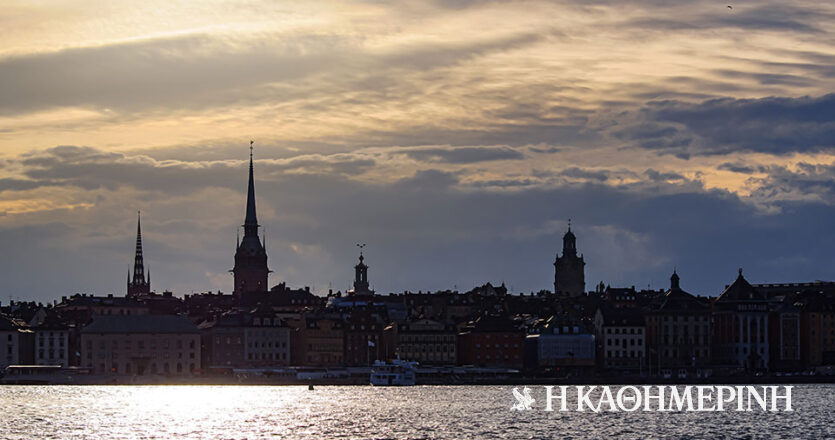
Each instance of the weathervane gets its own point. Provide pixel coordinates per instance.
(360, 246)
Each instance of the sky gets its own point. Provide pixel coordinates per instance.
(456, 138)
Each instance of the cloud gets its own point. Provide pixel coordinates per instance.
(585, 174)
(195, 71)
(737, 168)
(806, 182)
(462, 155)
(769, 17)
(774, 125)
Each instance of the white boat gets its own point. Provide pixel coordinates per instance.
(395, 373)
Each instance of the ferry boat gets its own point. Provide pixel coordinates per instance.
(395, 373)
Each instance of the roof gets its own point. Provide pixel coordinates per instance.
(493, 324)
(140, 324)
(7, 324)
(740, 290)
(679, 300)
(81, 300)
(622, 317)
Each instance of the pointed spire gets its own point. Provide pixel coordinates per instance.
(138, 262)
(251, 220)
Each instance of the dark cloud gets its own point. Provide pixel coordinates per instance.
(807, 182)
(657, 176)
(737, 168)
(463, 155)
(90, 168)
(582, 173)
(776, 125)
(545, 150)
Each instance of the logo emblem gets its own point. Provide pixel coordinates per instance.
(523, 401)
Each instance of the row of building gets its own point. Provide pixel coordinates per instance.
(746, 329)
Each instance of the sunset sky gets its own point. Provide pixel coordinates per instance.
(455, 138)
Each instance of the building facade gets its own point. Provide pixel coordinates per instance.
(678, 332)
(740, 323)
(141, 345)
(254, 339)
(425, 341)
(491, 341)
(621, 338)
(561, 344)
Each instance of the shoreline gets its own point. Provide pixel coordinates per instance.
(514, 381)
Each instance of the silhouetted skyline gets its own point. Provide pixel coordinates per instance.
(455, 138)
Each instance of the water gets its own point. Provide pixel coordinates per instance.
(431, 412)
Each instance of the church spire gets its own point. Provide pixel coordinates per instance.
(250, 269)
(138, 263)
(251, 220)
(139, 284)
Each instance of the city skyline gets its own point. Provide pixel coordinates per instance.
(568, 274)
(455, 138)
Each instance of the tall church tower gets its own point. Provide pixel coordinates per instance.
(139, 285)
(361, 286)
(250, 269)
(569, 270)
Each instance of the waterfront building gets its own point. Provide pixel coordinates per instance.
(319, 340)
(51, 337)
(740, 322)
(139, 285)
(569, 269)
(250, 271)
(364, 335)
(15, 343)
(678, 332)
(141, 345)
(252, 339)
(561, 344)
(491, 341)
(817, 329)
(425, 341)
(621, 338)
(784, 330)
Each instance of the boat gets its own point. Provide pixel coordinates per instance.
(41, 374)
(394, 373)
